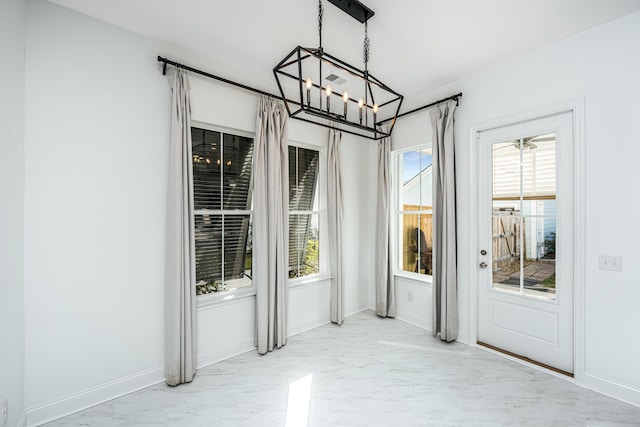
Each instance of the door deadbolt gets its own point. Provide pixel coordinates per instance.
(483, 252)
(483, 265)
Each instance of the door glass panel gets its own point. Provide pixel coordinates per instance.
(524, 216)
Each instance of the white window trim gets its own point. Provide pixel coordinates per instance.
(223, 129)
(323, 270)
(226, 297)
(247, 291)
(425, 279)
(309, 280)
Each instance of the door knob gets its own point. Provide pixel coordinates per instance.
(483, 265)
(483, 252)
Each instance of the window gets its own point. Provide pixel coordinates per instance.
(223, 196)
(414, 210)
(304, 237)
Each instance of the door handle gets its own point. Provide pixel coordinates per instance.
(483, 265)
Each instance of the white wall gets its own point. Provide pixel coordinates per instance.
(97, 131)
(413, 297)
(601, 65)
(96, 150)
(359, 171)
(12, 34)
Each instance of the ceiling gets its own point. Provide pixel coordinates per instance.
(416, 45)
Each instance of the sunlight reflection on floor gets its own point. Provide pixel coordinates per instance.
(298, 404)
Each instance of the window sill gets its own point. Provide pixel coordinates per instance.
(226, 297)
(231, 297)
(422, 279)
(302, 282)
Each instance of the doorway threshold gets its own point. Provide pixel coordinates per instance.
(526, 359)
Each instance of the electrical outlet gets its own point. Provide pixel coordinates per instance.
(610, 262)
(5, 412)
(410, 296)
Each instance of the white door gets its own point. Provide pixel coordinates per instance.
(525, 235)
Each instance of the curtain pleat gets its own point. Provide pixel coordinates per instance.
(334, 205)
(180, 296)
(445, 288)
(271, 224)
(385, 285)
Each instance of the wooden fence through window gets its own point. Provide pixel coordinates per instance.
(423, 221)
(506, 237)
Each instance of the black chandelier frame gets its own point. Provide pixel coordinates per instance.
(291, 68)
(166, 62)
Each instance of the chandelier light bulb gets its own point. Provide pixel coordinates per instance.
(345, 98)
(329, 91)
(375, 113)
(309, 83)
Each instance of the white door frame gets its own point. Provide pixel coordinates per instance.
(576, 107)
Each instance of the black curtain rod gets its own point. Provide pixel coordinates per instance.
(213, 76)
(424, 107)
(261, 92)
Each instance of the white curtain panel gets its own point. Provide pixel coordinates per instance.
(271, 224)
(180, 294)
(385, 286)
(334, 207)
(445, 287)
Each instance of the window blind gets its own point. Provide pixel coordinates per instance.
(537, 168)
(222, 181)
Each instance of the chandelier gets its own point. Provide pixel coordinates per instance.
(319, 88)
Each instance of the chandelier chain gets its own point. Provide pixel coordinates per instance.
(320, 14)
(366, 45)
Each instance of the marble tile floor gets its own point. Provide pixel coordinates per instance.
(368, 372)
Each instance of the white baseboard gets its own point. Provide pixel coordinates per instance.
(620, 391)
(308, 325)
(206, 359)
(80, 401)
(321, 321)
(75, 402)
(355, 310)
(616, 390)
(415, 321)
(463, 337)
